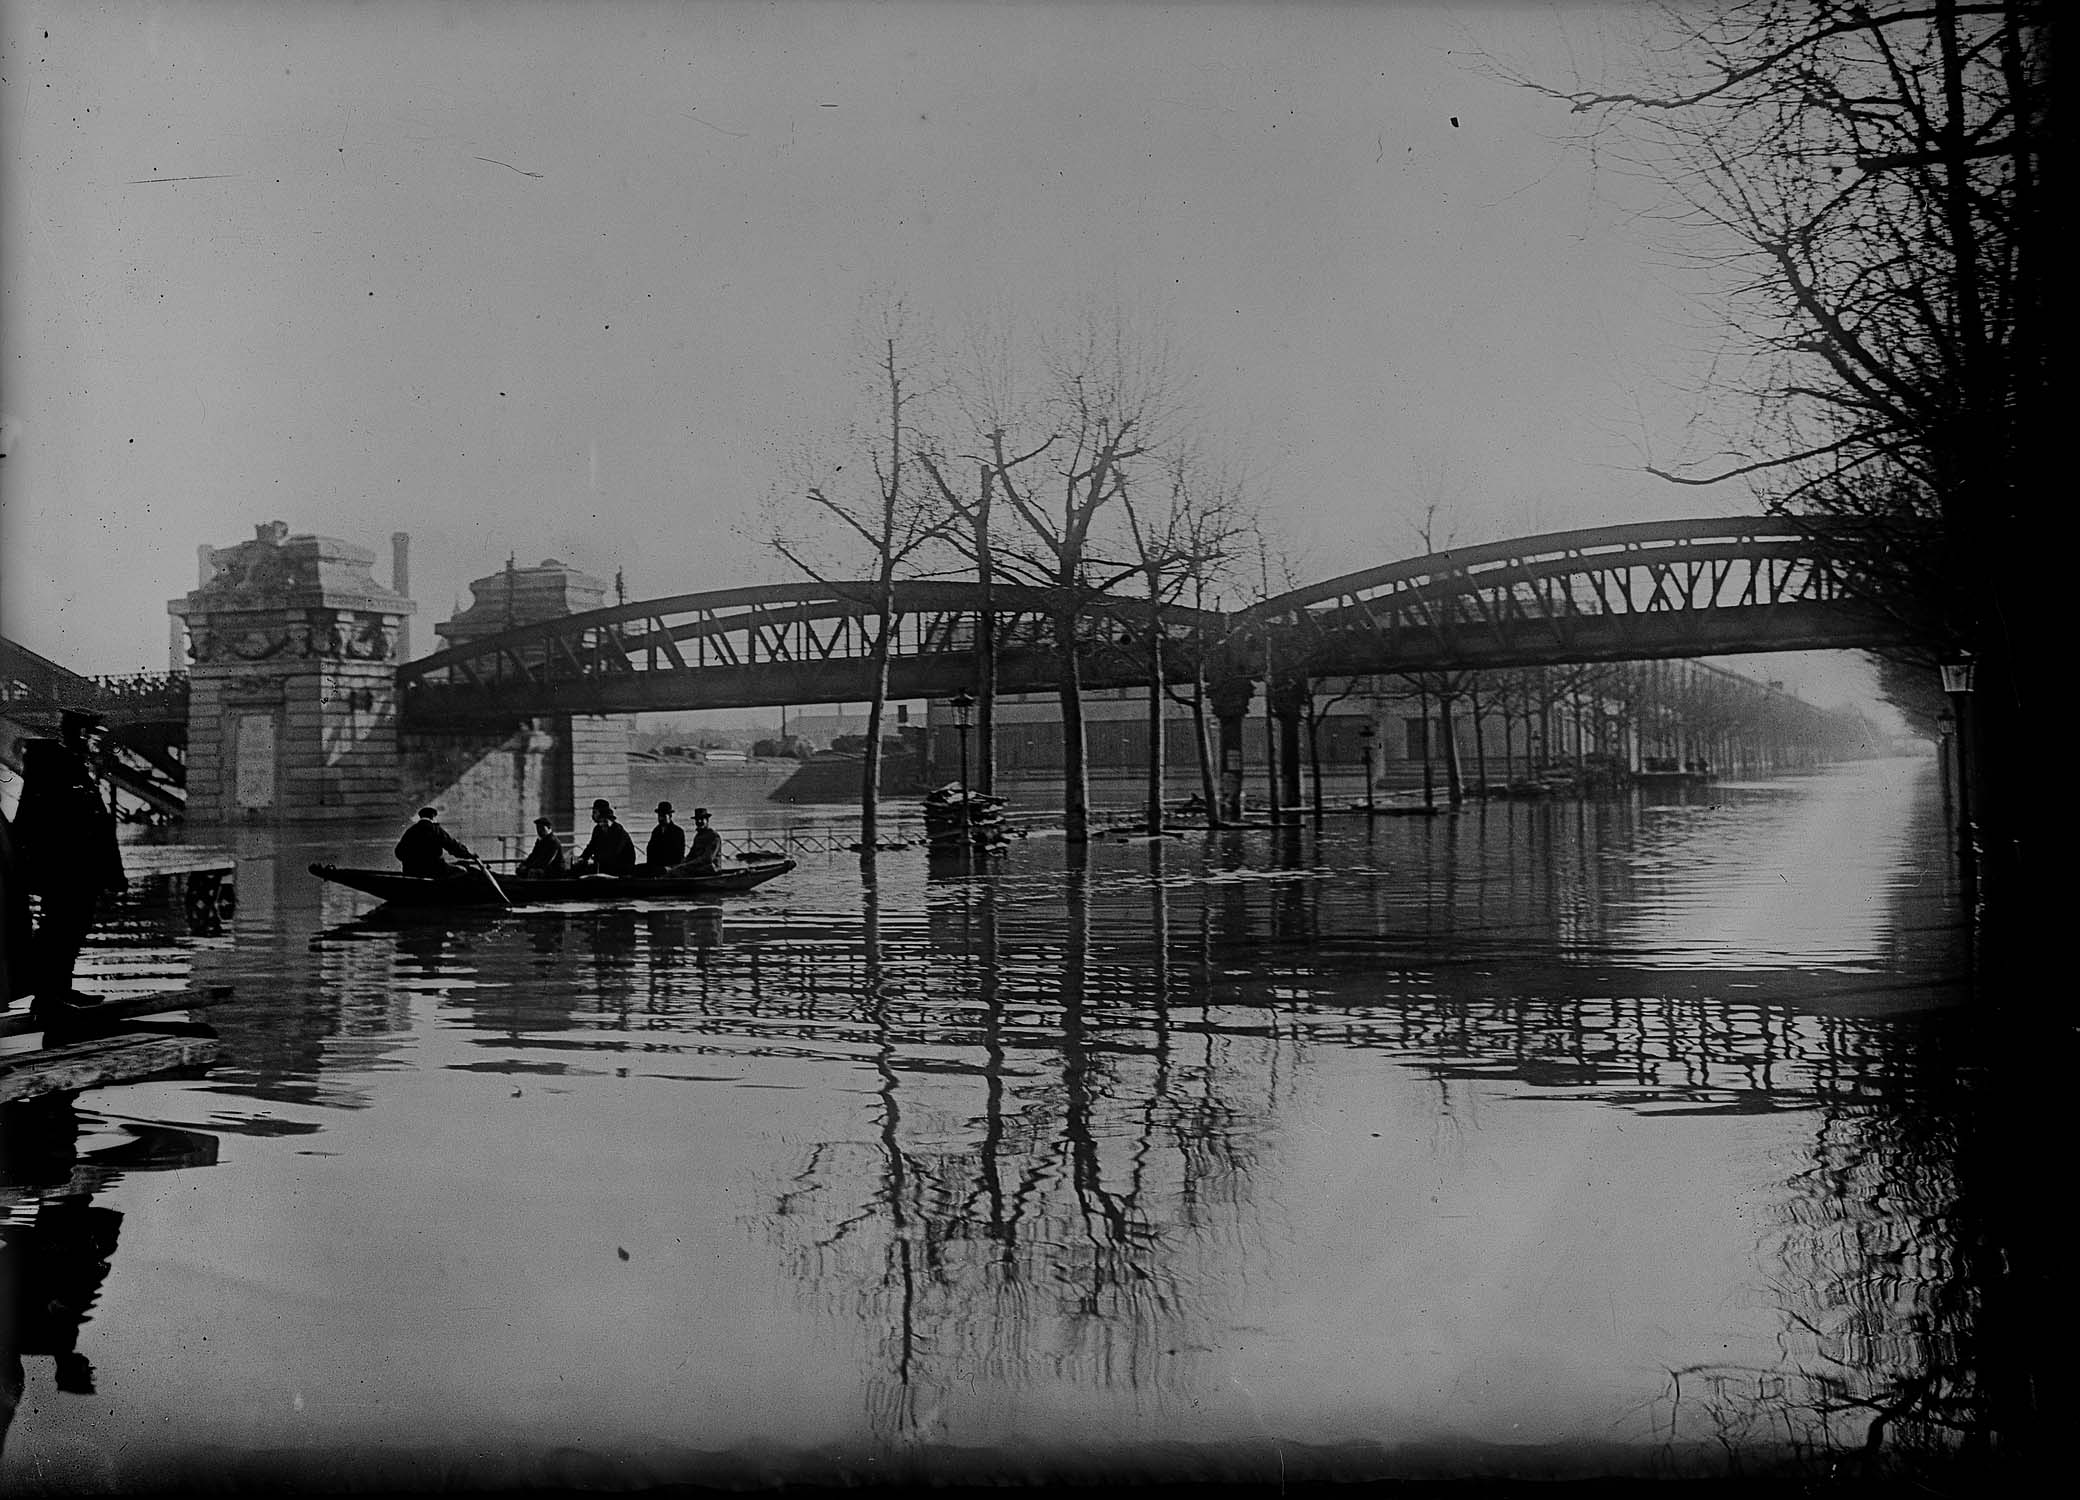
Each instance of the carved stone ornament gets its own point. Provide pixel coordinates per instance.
(259, 645)
(324, 636)
(252, 685)
(374, 641)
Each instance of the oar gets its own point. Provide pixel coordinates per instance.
(496, 889)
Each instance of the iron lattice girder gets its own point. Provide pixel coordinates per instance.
(1660, 591)
(778, 625)
(1657, 589)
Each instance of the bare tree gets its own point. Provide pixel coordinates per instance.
(1108, 407)
(892, 515)
(1180, 539)
(1218, 534)
(1874, 178)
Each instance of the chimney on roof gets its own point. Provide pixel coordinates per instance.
(401, 582)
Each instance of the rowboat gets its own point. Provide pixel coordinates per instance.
(473, 890)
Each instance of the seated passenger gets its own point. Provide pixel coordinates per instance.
(611, 851)
(706, 851)
(426, 846)
(546, 857)
(667, 843)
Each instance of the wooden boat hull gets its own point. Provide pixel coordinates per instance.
(473, 892)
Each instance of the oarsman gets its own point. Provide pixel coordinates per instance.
(610, 851)
(427, 848)
(65, 839)
(667, 846)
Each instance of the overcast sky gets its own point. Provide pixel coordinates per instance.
(576, 280)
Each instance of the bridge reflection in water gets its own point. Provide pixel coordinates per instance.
(1453, 1146)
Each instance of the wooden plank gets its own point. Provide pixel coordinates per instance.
(123, 1010)
(175, 859)
(103, 1060)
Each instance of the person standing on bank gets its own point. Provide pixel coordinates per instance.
(611, 851)
(65, 839)
(667, 845)
(426, 848)
(546, 857)
(707, 846)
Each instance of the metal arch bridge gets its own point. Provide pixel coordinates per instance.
(1613, 593)
(773, 644)
(1631, 592)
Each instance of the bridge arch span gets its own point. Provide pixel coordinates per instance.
(1720, 586)
(1640, 591)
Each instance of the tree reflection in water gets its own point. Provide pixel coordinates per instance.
(1878, 1261)
(1045, 1203)
(1077, 1221)
(1039, 1108)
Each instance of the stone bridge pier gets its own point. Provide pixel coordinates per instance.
(292, 707)
(293, 648)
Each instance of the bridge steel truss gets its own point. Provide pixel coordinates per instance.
(1615, 593)
(789, 643)
(146, 713)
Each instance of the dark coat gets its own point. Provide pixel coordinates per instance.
(426, 847)
(611, 851)
(707, 849)
(64, 834)
(16, 935)
(667, 845)
(545, 858)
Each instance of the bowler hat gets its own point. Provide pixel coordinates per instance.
(700, 812)
(429, 812)
(664, 807)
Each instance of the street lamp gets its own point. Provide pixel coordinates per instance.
(1946, 730)
(1957, 682)
(963, 706)
(1365, 737)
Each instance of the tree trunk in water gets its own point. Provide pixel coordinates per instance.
(1271, 768)
(1155, 724)
(1314, 760)
(986, 646)
(1209, 787)
(870, 768)
(1076, 786)
(1455, 786)
(1480, 748)
(1429, 774)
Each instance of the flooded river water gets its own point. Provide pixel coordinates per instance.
(1543, 1139)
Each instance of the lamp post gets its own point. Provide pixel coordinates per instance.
(1957, 682)
(963, 706)
(1946, 728)
(1365, 737)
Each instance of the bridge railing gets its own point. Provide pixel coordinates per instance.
(34, 687)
